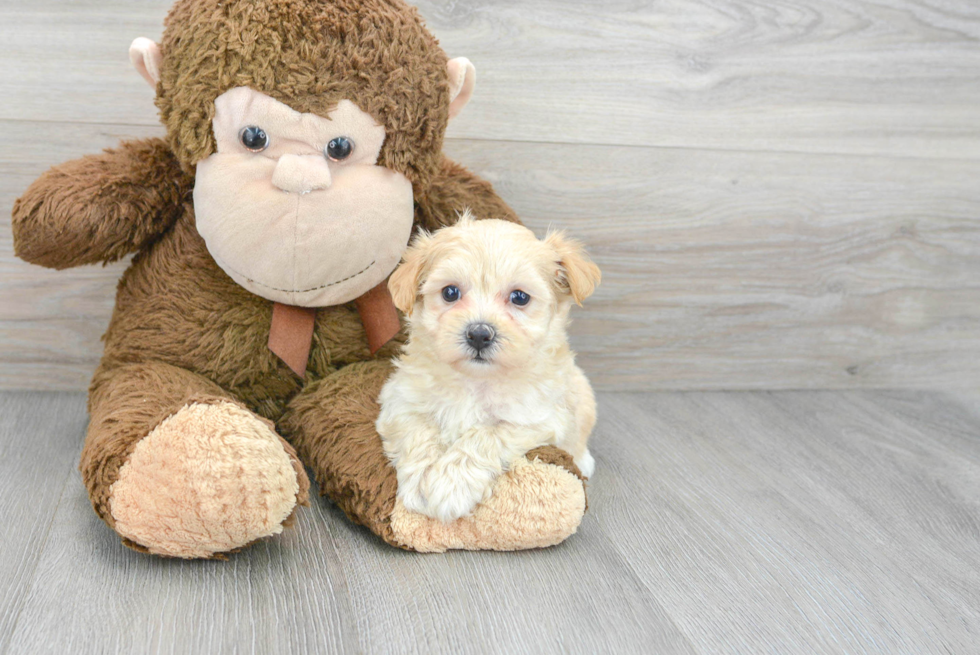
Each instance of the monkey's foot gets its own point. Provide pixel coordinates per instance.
(538, 503)
(209, 479)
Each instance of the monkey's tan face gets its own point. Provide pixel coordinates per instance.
(294, 207)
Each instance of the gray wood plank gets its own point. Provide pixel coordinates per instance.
(581, 597)
(329, 586)
(62, 376)
(69, 61)
(807, 521)
(40, 437)
(900, 77)
(722, 270)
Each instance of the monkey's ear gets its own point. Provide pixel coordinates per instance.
(146, 57)
(404, 283)
(462, 81)
(577, 274)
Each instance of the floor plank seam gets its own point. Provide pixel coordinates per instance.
(632, 146)
(638, 578)
(706, 148)
(688, 639)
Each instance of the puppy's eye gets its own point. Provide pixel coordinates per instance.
(519, 298)
(339, 149)
(254, 138)
(450, 293)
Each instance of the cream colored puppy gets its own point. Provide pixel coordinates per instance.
(487, 374)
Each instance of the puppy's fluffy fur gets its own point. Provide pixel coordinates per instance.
(454, 417)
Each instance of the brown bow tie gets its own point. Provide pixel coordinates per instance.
(291, 334)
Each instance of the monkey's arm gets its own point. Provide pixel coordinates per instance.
(101, 207)
(456, 189)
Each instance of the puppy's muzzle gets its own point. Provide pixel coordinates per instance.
(480, 336)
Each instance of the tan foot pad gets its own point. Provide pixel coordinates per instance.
(209, 479)
(534, 505)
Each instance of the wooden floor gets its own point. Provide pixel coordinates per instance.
(786, 522)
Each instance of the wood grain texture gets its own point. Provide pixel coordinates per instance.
(789, 522)
(781, 194)
(40, 438)
(900, 77)
(807, 521)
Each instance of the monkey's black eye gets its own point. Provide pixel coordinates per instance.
(519, 298)
(450, 293)
(340, 148)
(254, 138)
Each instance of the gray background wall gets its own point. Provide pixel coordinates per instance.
(780, 194)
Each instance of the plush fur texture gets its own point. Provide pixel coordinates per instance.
(331, 423)
(454, 417)
(309, 55)
(222, 471)
(184, 333)
(100, 208)
(127, 404)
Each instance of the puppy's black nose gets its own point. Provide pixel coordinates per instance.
(479, 336)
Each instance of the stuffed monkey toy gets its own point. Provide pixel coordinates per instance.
(253, 330)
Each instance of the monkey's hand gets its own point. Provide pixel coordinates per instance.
(101, 207)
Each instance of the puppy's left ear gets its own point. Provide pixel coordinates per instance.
(404, 283)
(577, 275)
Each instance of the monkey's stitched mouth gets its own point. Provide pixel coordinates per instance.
(322, 286)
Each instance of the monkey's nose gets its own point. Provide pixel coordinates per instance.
(479, 336)
(301, 173)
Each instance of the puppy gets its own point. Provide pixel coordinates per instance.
(487, 373)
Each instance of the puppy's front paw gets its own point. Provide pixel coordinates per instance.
(454, 489)
(437, 495)
(410, 491)
(446, 487)
(453, 497)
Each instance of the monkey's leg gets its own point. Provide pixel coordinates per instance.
(538, 503)
(178, 468)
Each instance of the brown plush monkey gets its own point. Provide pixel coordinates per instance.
(303, 147)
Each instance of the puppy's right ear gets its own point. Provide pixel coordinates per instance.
(404, 283)
(577, 275)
